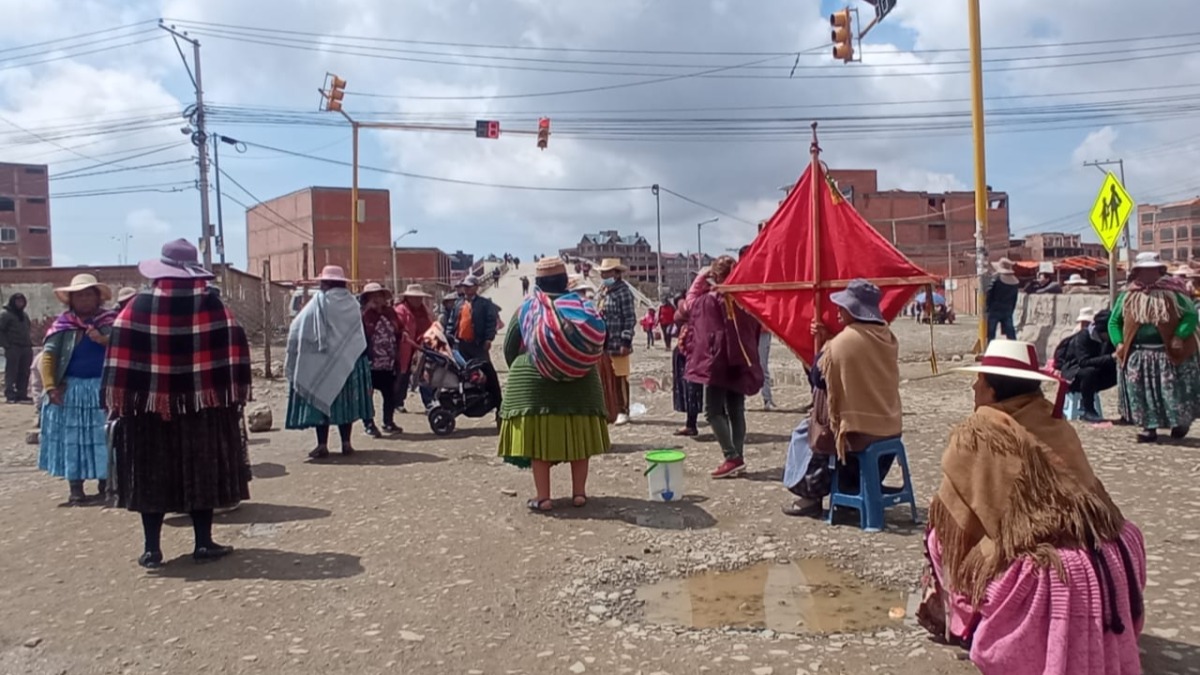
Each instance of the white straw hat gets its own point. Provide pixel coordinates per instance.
(1011, 358)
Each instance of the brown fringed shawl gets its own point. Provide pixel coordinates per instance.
(1016, 483)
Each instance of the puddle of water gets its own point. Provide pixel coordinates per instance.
(804, 596)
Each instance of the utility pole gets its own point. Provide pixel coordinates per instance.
(981, 189)
(658, 229)
(199, 136)
(1112, 255)
(268, 328)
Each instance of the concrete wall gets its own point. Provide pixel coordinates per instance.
(1046, 319)
(243, 295)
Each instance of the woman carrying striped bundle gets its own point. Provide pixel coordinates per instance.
(553, 408)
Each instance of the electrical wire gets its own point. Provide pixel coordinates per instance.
(99, 50)
(125, 190)
(705, 206)
(283, 221)
(139, 167)
(73, 173)
(78, 36)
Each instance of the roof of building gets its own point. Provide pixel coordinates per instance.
(609, 238)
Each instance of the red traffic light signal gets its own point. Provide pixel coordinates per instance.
(543, 137)
(842, 35)
(487, 129)
(335, 93)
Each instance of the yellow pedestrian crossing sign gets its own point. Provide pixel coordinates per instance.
(1111, 211)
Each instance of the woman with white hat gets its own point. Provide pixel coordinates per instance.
(384, 334)
(417, 319)
(1034, 568)
(1075, 284)
(1153, 324)
(73, 443)
(327, 366)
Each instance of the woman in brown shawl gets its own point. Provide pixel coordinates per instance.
(1033, 565)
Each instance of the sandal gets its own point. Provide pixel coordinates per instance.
(319, 452)
(579, 501)
(813, 510)
(537, 505)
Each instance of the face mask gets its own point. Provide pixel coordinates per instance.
(610, 281)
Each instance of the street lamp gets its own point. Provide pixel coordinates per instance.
(395, 282)
(700, 244)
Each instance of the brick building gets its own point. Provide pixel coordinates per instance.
(430, 267)
(24, 216)
(935, 230)
(633, 251)
(1171, 230)
(1057, 245)
(303, 231)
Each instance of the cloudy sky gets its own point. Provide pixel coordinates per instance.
(711, 99)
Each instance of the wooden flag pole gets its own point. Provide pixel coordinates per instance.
(814, 176)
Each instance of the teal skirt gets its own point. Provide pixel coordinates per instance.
(553, 438)
(352, 404)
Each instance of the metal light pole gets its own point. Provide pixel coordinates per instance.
(700, 243)
(123, 240)
(658, 230)
(981, 189)
(217, 140)
(395, 276)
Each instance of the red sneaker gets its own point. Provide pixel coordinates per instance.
(730, 468)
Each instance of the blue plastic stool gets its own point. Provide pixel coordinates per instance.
(1073, 406)
(871, 500)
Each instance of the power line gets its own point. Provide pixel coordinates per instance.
(283, 222)
(98, 50)
(139, 167)
(75, 37)
(584, 50)
(125, 190)
(705, 206)
(440, 179)
(72, 172)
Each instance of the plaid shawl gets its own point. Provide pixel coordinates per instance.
(175, 350)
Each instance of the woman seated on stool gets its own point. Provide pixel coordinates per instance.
(1033, 566)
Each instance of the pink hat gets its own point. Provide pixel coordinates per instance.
(332, 273)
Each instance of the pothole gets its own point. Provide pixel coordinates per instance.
(802, 596)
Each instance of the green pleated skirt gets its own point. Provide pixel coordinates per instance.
(352, 404)
(553, 438)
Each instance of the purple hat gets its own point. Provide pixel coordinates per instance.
(861, 299)
(179, 261)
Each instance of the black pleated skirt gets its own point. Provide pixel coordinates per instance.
(191, 462)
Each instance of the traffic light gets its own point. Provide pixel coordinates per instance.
(335, 93)
(842, 35)
(543, 132)
(487, 129)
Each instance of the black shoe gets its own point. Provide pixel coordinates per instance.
(1180, 432)
(372, 430)
(1148, 436)
(390, 428)
(151, 560)
(211, 552)
(319, 452)
(1091, 418)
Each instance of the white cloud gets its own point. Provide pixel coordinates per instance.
(145, 222)
(1098, 146)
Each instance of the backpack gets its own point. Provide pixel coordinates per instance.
(564, 338)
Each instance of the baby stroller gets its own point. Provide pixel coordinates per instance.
(458, 389)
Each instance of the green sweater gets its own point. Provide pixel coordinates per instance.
(527, 393)
(1148, 334)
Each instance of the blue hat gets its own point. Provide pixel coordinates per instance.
(861, 299)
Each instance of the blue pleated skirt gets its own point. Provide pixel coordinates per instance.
(73, 442)
(353, 403)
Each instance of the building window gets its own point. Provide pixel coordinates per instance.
(39, 262)
(1147, 218)
(1196, 252)
(1181, 232)
(1167, 254)
(35, 170)
(1166, 235)
(1148, 237)
(937, 232)
(7, 204)
(8, 235)
(36, 200)
(8, 263)
(39, 230)
(1182, 253)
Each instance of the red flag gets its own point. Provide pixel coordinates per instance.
(774, 281)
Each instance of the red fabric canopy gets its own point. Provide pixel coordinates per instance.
(774, 281)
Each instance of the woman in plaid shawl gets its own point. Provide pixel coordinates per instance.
(176, 377)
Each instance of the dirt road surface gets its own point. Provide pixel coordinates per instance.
(417, 554)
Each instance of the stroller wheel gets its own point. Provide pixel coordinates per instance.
(441, 421)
